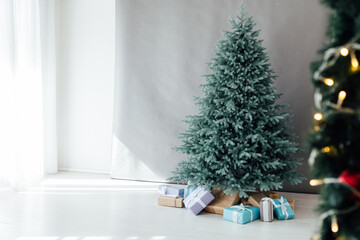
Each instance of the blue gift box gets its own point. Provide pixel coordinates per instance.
(283, 209)
(241, 213)
(170, 191)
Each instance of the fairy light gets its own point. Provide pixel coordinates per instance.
(354, 62)
(316, 182)
(316, 237)
(329, 81)
(330, 59)
(341, 97)
(344, 52)
(326, 149)
(318, 116)
(334, 224)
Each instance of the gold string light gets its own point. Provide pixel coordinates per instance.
(318, 116)
(326, 149)
(328, 81)
(341, 98)
(344, 51)
(316, 182)
(354, 62)
(330, 58)
(316, 237)
(334, 224)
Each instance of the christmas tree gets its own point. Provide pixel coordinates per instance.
(335, 139)
(240, 139)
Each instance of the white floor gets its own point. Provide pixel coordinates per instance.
(78, 206)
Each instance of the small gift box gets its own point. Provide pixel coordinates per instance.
(221, 201)
(245, 201)
(189, 190)
(255, 199)
(170, 201)
(241, 214)
(266, 210)
(271, 194)
(198, 200)
(170, 191)
(292, 203)
(283, 209)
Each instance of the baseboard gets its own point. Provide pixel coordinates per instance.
(82, 170)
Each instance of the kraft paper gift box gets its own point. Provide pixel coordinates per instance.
(255, 199)
(241, 214)
(271, 194)
(198, 200)
(171, 191)
(170, 201)
(292, 203)
(282, 209)
(266, 210)
(221, 201)
(245, 201)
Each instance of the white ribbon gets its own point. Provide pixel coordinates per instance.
(194, 198)
(162, 190)
(268, 199)
(238, 208)
(282, 206)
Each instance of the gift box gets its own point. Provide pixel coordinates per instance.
(245, 201)
(198, 200)
(292, 203)
(170, 201)
(271, 194)
(266, 210)
(189, 190)
(283, 209)
(170, 191)
(255, 199)
(221, 201)
(241, 214)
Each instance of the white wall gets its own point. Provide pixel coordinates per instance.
(86, 58)
(161, 50)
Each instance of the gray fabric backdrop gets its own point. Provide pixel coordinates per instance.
(161, 50)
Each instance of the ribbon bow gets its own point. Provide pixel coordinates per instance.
(268, 199)
(162, 190)
(194, 198)
(282, 206)
(239, 208)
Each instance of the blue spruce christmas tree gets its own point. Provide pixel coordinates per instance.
(239, 140)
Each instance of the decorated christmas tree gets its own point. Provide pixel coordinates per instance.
(335, 139)
(240, 139)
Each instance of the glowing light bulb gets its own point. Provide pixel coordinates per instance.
(341, 97)
(334, 225)
(354, 62)
(328, 81)
(316, 237)
(316, 182)
(325, 149)
(318, 116)
(344, 52)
